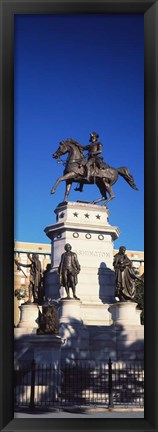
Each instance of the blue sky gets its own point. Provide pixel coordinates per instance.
(75, 74)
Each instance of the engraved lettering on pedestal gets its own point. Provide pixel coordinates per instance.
(99, 254)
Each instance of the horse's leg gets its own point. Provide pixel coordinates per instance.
(107, 188)
(110, 192)
(102, 188)
(98, 200)
(108, 200)
(67, 176)
(68, 188)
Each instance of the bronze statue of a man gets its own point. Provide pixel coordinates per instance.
(94, 149)
(69, 268)
(35, 277)
(124, 276)
(94, 160)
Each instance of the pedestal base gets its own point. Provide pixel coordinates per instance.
(29, 316)
(70, 311)
(71, 329)
(91, 328)
(125, 313)
(86, 227)
(45, 350)
(120, 343)
(95, 313)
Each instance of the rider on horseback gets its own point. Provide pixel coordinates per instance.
(94, 149)
(99, 172)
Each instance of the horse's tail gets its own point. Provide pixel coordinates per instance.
(124, 172)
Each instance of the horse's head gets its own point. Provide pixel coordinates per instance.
(62, 149)
(70, 146)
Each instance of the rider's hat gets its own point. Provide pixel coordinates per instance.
(93, 134)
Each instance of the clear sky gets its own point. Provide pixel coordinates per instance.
(75, 74)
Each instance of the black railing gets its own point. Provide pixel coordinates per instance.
(79, 383)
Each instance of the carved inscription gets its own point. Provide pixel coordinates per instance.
(90, 253)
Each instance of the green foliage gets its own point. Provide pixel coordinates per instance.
(139, 298)
(20, 293)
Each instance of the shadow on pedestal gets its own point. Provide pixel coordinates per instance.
(106, 278)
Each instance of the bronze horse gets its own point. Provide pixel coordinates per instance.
(74, 171)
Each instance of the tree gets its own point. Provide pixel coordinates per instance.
(139, 298)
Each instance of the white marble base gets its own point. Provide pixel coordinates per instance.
(129, 342)
(70, 311)
(40, 347)
(86, 227)
(75, 342)
(29, 316)
(120, 343)
(125, 313)
(46, 348)
(91, 328)
(95, 313)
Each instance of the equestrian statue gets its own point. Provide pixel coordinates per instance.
(93, 170)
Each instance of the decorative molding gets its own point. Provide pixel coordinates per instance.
(100, 237)
(75, 234)
(88, 236)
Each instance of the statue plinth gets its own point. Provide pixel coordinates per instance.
(29, 316)
(125, 313)
(72, 330)
(70, 311)
(91, 328)
(86, 227)
(45, 350)
(29, 345)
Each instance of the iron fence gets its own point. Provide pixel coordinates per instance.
(79, 383)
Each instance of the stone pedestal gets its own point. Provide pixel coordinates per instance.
(86, 227)
(29, 317)
(70, 311)
(91, 328)
(46, 351)
(71, 328)
(42, 348)
(125, 313)
(46, 348)
(74, 333)
(129, 333)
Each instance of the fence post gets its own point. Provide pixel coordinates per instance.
(32, 396)
(111, 405)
